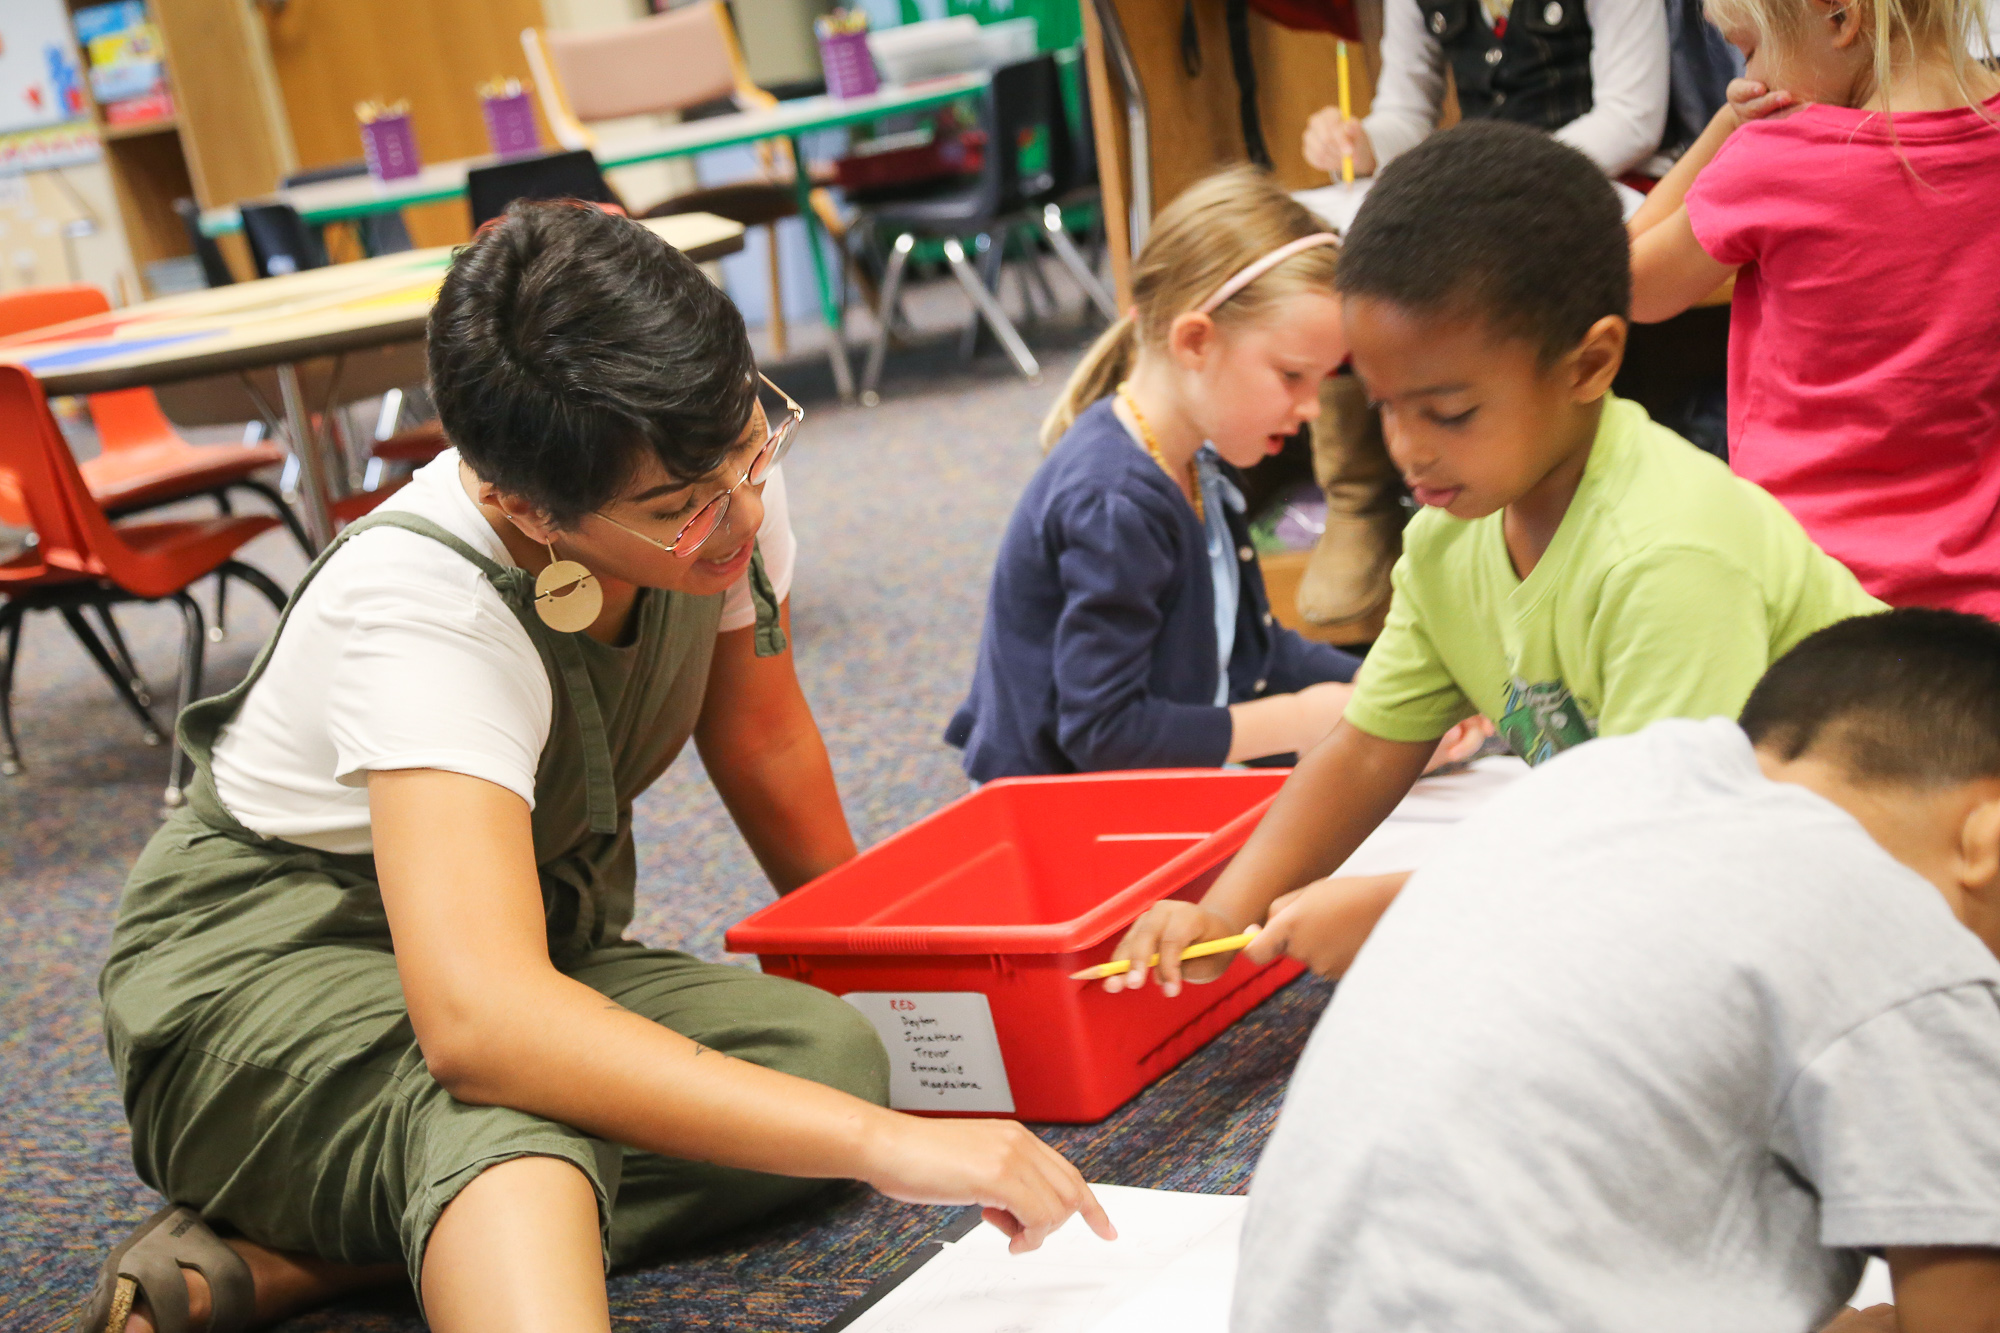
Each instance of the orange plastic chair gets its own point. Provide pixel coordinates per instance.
(27, 581)
(144, 462)
(118, 563)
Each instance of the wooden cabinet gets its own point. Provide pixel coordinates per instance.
(1192, 121)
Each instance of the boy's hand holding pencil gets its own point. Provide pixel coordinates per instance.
(1159, 941)
(1322, 925)
(1206, 949)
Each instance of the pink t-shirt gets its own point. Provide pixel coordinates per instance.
(1864, 343)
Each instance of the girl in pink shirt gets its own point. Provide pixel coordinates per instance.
(1852, 186)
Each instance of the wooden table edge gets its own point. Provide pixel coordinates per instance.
(197, 365)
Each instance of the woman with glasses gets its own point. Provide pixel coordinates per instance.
(370, 997)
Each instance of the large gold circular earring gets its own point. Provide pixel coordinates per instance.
(567, 596)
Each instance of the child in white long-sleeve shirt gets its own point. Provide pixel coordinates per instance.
(1593, 72)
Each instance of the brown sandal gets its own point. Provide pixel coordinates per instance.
(150, 1260)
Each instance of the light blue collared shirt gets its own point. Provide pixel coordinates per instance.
(1223, 566)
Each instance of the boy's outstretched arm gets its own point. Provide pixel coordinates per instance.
(1334, 799)
(1946, 1290)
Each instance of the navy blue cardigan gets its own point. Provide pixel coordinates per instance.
(1099, 649)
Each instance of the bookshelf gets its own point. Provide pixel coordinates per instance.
(227, 138)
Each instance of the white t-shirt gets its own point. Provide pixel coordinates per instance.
(1628, 80)
(1650, 1044)
(401, 655)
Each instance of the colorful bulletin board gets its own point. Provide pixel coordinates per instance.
(44, 106)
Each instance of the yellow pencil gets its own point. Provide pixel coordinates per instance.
(1346, 114)
(1230, 945)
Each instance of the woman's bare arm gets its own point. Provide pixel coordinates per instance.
(764, 753)
(499, 1025)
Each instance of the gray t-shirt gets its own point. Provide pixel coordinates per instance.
(1650, 1044)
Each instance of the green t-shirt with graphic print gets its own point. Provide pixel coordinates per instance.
(1669, 586)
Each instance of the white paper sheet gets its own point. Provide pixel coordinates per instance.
(1404, 839)
(1875, 1288)
(1337, 204)
(1178, 1246)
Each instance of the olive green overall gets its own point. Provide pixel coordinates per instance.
(258, 1028)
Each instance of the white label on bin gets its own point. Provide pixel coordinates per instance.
(943, 1054)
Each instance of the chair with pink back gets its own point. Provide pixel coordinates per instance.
(684, 58)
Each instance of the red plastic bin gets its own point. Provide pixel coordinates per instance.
(1001, 895)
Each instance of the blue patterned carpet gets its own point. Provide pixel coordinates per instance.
(898, 511)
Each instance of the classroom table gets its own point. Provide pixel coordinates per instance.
(353, 329)
(354, 197)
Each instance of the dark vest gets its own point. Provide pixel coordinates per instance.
(1536, 73)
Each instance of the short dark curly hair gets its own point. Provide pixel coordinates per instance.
(1909, 696)
(1496, 221)
(567, 341)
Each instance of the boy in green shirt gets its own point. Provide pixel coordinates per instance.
(1577, 570)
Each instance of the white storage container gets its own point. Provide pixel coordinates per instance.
(928, 50)
(1009, 40)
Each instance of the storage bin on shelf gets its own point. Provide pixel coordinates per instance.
(957, 937)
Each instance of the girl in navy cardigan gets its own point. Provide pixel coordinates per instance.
(1128, 625)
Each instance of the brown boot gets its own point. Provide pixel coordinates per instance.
(1347, 576)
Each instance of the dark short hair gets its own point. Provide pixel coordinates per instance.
(1909, 696)
(567, 342)
(1500, 222)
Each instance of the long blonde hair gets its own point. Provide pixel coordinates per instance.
(1944, 31)
(1211, 231)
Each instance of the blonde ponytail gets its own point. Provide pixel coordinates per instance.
(1102, 369)
(1210, 232)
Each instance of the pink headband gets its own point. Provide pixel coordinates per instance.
(1249, 273)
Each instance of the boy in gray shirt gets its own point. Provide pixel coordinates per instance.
(1675, 1030)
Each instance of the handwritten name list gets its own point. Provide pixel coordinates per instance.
(943, 1054)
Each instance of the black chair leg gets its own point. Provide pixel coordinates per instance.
(193, 639)
(285, 514)
(220, 629)
(259, 580)
(95, 646)
(121, 653)
(10, 749)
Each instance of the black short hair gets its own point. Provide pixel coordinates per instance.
(1500, 222)
(566, 340)
(1908, 696)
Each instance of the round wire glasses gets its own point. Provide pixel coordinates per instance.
(703, 524)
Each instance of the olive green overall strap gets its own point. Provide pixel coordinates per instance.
(518, 591)
(763, 596)
(599, 784)
(201, 722)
